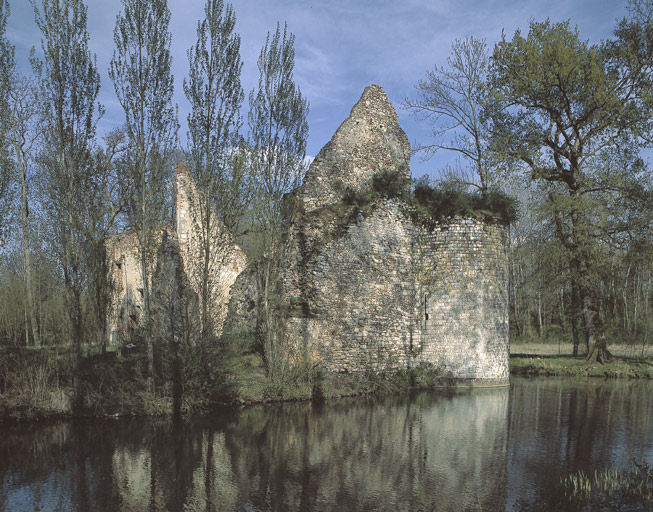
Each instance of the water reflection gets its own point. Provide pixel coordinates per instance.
(494, 449)
(560, 426)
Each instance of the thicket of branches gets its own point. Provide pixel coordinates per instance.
(64, 188)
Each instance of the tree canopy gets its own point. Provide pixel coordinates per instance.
(575, 115)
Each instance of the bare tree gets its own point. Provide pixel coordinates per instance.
(24, 134)
(451, 98)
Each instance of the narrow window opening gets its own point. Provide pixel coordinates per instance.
(426, 315)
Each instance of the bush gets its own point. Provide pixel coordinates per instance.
(435, 203)
(387, 184)
(390, 184)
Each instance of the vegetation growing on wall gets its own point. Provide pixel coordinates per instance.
(431, 203)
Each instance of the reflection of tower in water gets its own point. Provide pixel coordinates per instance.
(429, 452)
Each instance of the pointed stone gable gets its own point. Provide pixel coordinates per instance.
(369, 141)
(373, 290)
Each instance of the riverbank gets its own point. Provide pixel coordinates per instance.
(41, 383)
(549, 360)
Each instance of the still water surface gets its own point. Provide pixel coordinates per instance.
(483, 449)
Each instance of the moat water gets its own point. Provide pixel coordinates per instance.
(482, 449)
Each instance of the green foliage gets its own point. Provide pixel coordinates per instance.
(278, 128)
(69, 86)
(433, 204)
(278, 132)
(390, 184)
(574, 116)
(207, 375)
(385, 184)
(215, 93)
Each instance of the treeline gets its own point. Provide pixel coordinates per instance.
(564, 126)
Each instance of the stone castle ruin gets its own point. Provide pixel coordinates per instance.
(175, 274)
(359, 289)
(375, 290)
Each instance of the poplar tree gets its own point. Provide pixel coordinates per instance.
(278, 132)
(214, 91)
(7, 169)
(141, 73)
(69, 85)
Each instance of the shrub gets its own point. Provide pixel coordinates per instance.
(446, 200)
(390, 184)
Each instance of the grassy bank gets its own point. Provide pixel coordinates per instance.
(554, 360)
(41, 383)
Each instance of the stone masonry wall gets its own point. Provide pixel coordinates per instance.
(369, 141)
(175, 273)
(387, 294)
(365, 288)
(352, 302)
(226, 260)
(462, 281)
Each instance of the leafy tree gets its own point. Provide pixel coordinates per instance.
(140, 70)
(451, 97)
(278, 132)
(568, 110)
(215, 93)
(70, 84)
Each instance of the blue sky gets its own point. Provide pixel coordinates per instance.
(341, 46)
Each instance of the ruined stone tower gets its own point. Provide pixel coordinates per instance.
(369, 289)
(175, 272)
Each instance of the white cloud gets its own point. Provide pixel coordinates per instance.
(341, 45)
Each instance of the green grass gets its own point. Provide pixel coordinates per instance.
(569, 366)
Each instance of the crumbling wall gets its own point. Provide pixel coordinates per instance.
(369, 289)
(369, 141)
(175, 273)
(225, 260)
(351, 302)
(125, 320)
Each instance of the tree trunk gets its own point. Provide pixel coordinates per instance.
(575, 315)
(149, 346)
(27, 262)
(598, 351)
